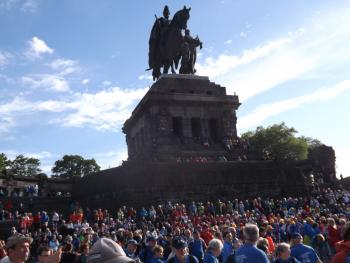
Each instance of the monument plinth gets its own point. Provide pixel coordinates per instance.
(182, 116)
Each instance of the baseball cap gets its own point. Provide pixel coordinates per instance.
(150, 238)
(179, 243)
(105, 250)
(16, 239)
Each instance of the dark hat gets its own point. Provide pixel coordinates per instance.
(16, 239)
(133, 242)
(179, 243)
(296, 236)
(150, 238)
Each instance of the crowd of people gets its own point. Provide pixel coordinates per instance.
(308, 230)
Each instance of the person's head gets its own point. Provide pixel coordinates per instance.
(320, 238)
(228, 237)
(166, 12)
(105, 250)
(68, 248)
(188, 233)
(43, 253)
(251, 233)
(180, 247)
(18, 248)
(296, 239)
(158, 251)
(263, 244)
(262, 231)
(215, 247)
(283, 251)
(131, 246)
(151, 241)
(331, 222)
(196, 235)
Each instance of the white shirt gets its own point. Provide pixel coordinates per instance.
(5, 260)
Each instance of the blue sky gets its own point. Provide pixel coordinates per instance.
(72, 71)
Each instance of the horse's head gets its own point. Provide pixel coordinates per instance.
(181, 17)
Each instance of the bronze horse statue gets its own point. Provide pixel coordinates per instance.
(165, 43)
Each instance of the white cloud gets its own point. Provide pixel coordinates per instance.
(29, 6)
(65, 66)
(145, 76)
(111, 159)
(37, 47)
(224, 63)
(6, 124)
(106, 83)
(342, 161)
(322, 43)
(23, 5)
(243, 34)
(266, 111)
(85, 81)
(4, 58)
(227, 42)
(46, 81)
(104, 110)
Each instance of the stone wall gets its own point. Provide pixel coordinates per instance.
(138, 184)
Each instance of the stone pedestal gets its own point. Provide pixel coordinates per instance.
(182, 116)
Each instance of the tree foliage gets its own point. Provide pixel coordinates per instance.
(74, 166)
(4, 162)
(277, 142)
(25, 166)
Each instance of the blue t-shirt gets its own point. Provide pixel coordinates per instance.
(210, 258)
(187, 259)
(226, 251)
(196, 248)
(249, 253)
(146, 255)
(157, 260)
(304, 253)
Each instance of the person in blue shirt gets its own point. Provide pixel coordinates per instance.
(158, 253)
(283, 254)
(131, 247)
(181, 252)
(301, 252)
(228, 246)
(146, 254)
(197, 246)
(249, 253)
(213, 251)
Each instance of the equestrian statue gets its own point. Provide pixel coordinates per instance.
(170, 42)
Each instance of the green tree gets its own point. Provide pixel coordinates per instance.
(74, 166)
(25, 166)
(277, 142)
(4, 162)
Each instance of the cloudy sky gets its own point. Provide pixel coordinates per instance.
(71, 71)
